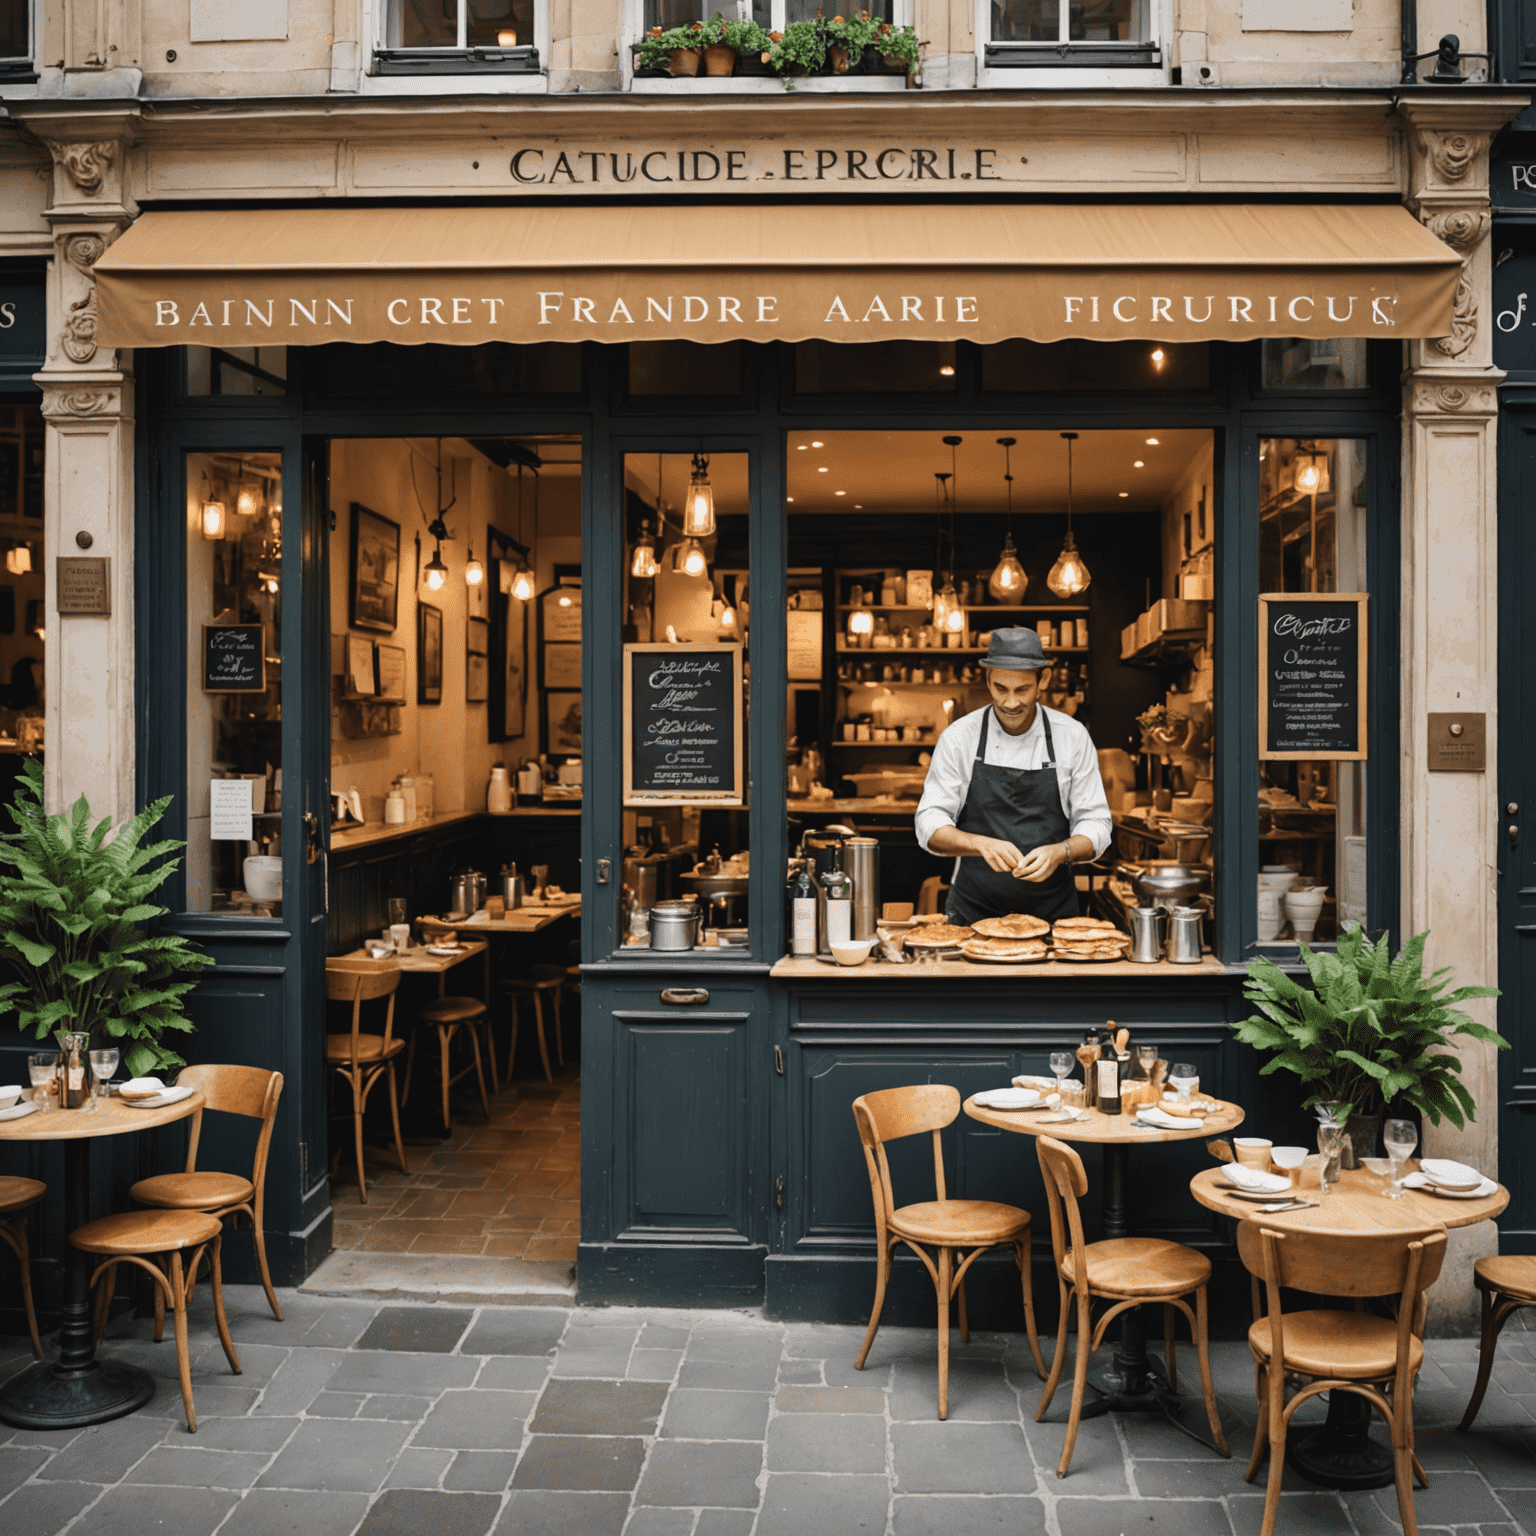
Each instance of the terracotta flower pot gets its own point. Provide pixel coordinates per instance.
(684, 61)
(837, 60)
(719, 60)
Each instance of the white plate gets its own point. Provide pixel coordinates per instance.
(1274, 1185)
(18, 1111)
(1483, 1190)
(1010, 1098)
(1266, 1196)
(445, 951)
(160, 1100)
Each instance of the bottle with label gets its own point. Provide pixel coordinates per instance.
(802, 914)
(837, 889)
(1088, 1054)
(1108, 1067)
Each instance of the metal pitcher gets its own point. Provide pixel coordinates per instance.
(511, 887)
(1148, 930)
(1184, 935)
(461, 894)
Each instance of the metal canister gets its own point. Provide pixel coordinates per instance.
(675, 924)
(1184, 935)
(861, 860)
(461, 894)
(511, 887)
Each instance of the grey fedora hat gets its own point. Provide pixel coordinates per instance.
(1015, 650)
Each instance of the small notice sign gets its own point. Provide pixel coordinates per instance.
(1313, 663)
(234, 658)
(1458, 743)
(83, 584)
(229, 810)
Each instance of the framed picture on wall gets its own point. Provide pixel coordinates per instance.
(562, 716)
(373, 588)
(508, 658)
(562, 666)
(477, 671)
(429, 654)
(560, 609)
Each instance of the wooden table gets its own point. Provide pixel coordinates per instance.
(417, 959)
(77, 1388)
(528, 918)
(1341, 1453)
(1134, 1383)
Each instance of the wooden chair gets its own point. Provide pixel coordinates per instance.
(448, 1016)
(537, 982)
(17, 1197)
(1507, 1282)
(931, 894)
(249, 1091)
(1339, 1351)
(1124, 1271)
(131, 1235)
(950, 1226)
(362, 1059)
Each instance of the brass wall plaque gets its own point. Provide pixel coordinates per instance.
(83, 584)
(1458, 743)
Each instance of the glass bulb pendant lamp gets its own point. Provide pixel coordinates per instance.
(522, 585)
(213, 520)
(1009, 578)
(436, 572)
(642, 563)
(1069, 576)
(474, 572)
(688, 558)
(699, 505)
(948, 616)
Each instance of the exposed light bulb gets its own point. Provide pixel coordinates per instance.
(1009, 578)
(1309, 477)
(699, 504)
(693, 559)
(435, 579)
(272, 585)
(522, 586)
(861, 622)
(947, 371)
(642, 563)
(213, 520)
(247, 500)
(947, 610)
(727, 619)
(1157, 359)
(474, 572)
(1069, 576)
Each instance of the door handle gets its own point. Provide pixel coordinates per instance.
(1514, 835)
(685, 996)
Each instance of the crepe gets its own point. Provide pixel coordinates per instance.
(1083, 925)
(1088, 951)
(1017, 925)
(1004, 949)
(937, 936)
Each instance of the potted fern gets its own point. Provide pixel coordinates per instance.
(1370, 1031)
(74, 906)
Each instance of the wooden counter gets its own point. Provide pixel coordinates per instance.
(378, 832)
(799, 967)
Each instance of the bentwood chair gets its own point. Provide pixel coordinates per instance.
(360, 1059)
(1339, 1351)
(538, 982)
(1507, 1283)
(252, 1092)
(17, 1198)
(949, 1226)
(1124, 1271)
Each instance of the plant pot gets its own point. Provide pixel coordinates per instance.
(752, 64)
(719, 61)
(1363, 1140)
(837, 60)
(684, 61)
(876, 63)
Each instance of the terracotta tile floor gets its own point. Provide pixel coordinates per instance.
(508, 1187)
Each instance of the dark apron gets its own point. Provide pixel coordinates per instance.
(1021, 806)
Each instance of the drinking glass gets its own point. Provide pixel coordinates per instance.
(1183, 1078)
(1146, 1059)
(1062, 1063)
(43, 1070)
(103, 1065)
(396, 910)
(1330, 1142)
(1399, 1137)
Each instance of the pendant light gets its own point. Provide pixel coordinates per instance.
(1069, 576)
(213, 520)
(436, 572)
(1008, 579)
(688, 557)
(945, 602)
(474, 572)
(522, 584)
(522, 580)
(699, 507)
(953, 621)
(642, 563)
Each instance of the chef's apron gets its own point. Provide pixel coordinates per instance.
(1021, 806)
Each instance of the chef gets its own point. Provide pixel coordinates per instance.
(1014, 793)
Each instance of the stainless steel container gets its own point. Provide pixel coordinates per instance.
(1147, 925)
(481, 889)
(461, 894)
(1165, 883)
(861, 862)
(674, 925)
(511, 884)
(640, 877)
(1184, 935)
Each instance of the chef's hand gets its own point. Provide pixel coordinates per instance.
(1002, 856)
(1041, 863)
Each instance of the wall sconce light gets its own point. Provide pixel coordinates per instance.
(18, 559)
(699, 506)
(214, 519)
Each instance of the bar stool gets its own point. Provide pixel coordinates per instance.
(126, 1238)
(249, 1091)
(362, 1059)
(1507, 1282)
(449, 1015)
(537, 982)
(17, 1197)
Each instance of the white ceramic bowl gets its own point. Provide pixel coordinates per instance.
(10, 1095)
(854, 952)
(1287, 1157)
(263, 874)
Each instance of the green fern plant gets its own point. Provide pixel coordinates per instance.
(1369, 1030)
(73, 916)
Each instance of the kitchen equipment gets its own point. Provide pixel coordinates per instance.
(1167, 883)
(1184, 935)
(721, 885)
(861, 860)
(263, 874)
(462, 891)
(675, 924)
(1148, 930)
(510, 885)
(640, 876)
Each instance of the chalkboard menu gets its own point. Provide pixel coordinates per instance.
(683, 725)
(1312, 669)
(234, 658)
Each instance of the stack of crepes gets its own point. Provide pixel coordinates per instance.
(1088, 938)
(935, 932)
(1016, 939)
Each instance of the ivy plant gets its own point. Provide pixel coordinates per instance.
(75, 916)
(800, 49)
(900, 44)
(738, 32)
(1370, 1030)
(658, 45)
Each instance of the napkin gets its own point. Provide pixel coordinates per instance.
(478, 917)
(1152, 1115)
(1442, 1170)
(1254, 1179)
(1007, 1098)
(170, 1096)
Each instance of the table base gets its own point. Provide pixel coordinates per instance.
(45, 1396)
(1341, 1454)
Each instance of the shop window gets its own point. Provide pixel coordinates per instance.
(1297, 362)
(1034, 367)
(685, 368)
(1312, 811)
(234, 564)
(878, 368)
(15, 37)
(22, 626)
(384, 371)
(432, 37)
(1034, 34)
(237, 371)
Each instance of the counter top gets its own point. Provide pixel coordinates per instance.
(378, 832)
(873, 805)
(802, 968)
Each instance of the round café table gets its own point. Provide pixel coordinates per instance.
(1341, 1453)
(78, 1389)
(1134, 1382)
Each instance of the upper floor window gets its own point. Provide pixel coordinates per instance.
(15, 36)
(429, 37)
(1047, 33)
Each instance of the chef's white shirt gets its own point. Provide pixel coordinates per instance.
(1077, 772)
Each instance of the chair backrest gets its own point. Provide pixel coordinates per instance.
(888, 1115)
(354, 981)
(230, 1090)
(432, 929)
(930, 894)
(1066, 1182)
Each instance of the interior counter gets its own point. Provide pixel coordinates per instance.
(805, 968)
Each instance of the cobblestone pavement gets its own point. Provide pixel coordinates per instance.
(398, 1420)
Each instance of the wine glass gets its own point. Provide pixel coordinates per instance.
(1399, 1137)
(396, 910)
(1062, 1063)
(1146, 1059)
(103, 1065)
(1183, 1077)
(43, 1070)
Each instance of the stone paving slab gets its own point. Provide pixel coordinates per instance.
(404, 1419)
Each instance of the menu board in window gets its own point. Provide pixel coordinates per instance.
(683, 725)
(1313, 658)
(234, 658)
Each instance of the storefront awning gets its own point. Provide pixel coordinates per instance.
(464, 275)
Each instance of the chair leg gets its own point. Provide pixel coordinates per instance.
(965, 1321)
(444, 1040)
(882, 1275)
(1261, 1429)
(357, 1136)
(103, 1281)
(516, 1013)
(1276, 1474)
(559, 1027)
(183, 1355)
(473, 1031)
(1203, 1356)
(394, 1116)
(1170, 1357)
(1060, 1355)
(260, 1239)
(160, 1308)
(1487, 1343)
(1079, 1380)
(538, 1020)
(1024, 1253)
(1402, 1466)
(216, 1285)
(410, 1062)
(14, 1235)
(945, 1267)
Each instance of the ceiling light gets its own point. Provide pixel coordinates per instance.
(688, 558)
(948, 616)
(1157, 359)
(1069, 576)
(1139, 464)
(1008, 578)
(1124, 494)
(522, 585)
(1309, 477)
(437, 572)
(642, 563)
(213, 519)
(947, 371)
(699, 505)
(474, 572)
(789, 498)
(839, 493)
(803, 447)
(822, 470)
(816, 442)
(1151, 442)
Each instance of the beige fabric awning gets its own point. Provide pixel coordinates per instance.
(464, 275)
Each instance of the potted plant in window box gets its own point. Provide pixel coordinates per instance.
(1369, 1032)
(894, 51)
(676, 50)
(731, 43)
(846, 41)
(799, 50)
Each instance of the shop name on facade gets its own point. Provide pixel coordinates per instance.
(552, 167)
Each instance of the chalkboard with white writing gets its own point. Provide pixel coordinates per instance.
(1313, 661)
(683, 708)
(234, 658)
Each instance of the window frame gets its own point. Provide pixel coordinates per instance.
(1079, 66)
(516, 68)
(22, 70)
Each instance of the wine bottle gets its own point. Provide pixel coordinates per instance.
(802, 909)
(1108, 1068)
(839, 893)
